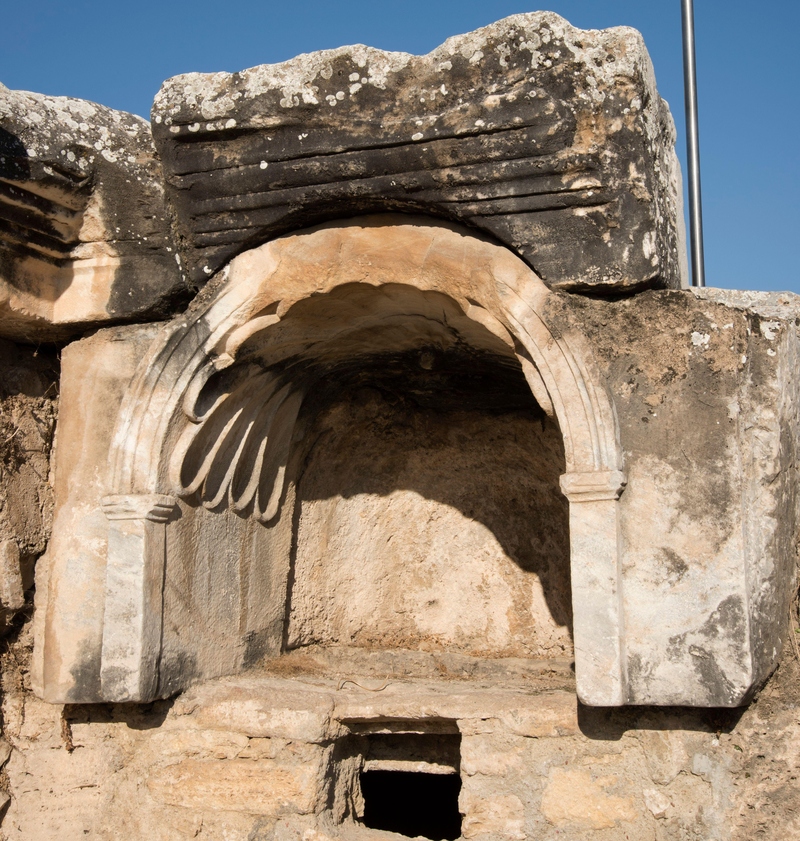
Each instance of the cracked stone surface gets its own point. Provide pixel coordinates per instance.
(530, 130)
(84, 229)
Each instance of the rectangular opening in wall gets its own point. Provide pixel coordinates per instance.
(412, 803)
(410, 784)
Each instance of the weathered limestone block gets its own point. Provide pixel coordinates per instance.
(578, 798)
(84, 230)
(95, 370)
(706, 393)
(259, 787)
(286, 712)
(552, 139)
(555, 714)
(500, 816)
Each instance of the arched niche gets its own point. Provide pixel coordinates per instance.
(211, 416)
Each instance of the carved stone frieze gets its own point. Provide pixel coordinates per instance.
(530, 130)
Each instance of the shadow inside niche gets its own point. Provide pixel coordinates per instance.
(428, 503)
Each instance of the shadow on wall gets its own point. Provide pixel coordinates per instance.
(610, 724)
(429, 514)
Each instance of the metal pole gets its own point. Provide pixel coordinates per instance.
(692, 145)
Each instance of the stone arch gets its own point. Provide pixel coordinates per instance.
(490, 285)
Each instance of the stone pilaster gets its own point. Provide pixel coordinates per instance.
(134, 594)
(598, 625)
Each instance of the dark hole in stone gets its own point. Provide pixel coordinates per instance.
(412, 804)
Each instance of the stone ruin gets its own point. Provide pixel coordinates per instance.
(380, 474)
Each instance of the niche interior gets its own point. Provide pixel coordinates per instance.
(396, 446)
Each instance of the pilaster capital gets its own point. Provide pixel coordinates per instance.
(594, 486)
(155, 507)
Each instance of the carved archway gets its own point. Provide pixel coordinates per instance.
(163, 421)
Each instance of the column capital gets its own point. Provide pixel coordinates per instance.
(155, 507)
(593, 486)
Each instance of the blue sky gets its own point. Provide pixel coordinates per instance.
(748, 78)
